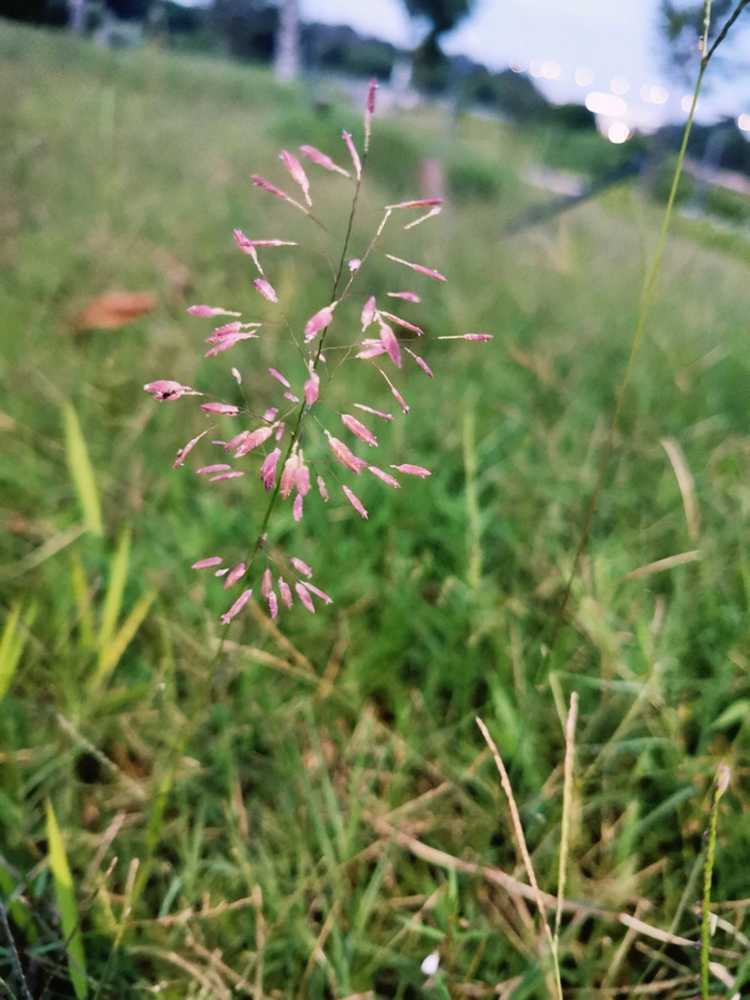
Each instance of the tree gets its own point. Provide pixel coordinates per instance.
(442, 17)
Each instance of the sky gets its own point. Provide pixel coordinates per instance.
(613, 44)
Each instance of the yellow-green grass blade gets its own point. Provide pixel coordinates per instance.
(82, 471)
(66, 904)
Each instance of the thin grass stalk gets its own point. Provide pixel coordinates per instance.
(646, 298)
(568, 771)
(523, 850)
(720, 786)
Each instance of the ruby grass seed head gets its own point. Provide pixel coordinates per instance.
(292, 444)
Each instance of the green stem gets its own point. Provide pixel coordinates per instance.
(720, 786)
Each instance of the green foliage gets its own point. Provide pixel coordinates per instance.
(66, 904)
(246, 805)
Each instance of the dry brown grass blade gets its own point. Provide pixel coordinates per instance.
(661, 565)
(686, 486)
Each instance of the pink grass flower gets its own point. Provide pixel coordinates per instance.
(344, 455)
(429, 272)
(273, 606)
(266, 583)
(389, 340)
(273, 243)
(396, 394)
(325, 598)
(269, 188)
(312, 388)
(354, 264)
(355, 502)
(268, 468)
(356, 162)
(236, 375)
(266, 289)
(201, 310)
(319, 321)
(298, 175)
(235, 573)
(321, 160)
(376, 413)
(405, 296)
(235, 609)
(371, 349)
(253, 440)
(246, 246)
(372, 89)
(275, 373)
(403, 323)
(270, 414)
(359, 430)
(386, 477)
(481, 338)
(302, 477)
(412, 470)
(224, 409)
(421, 362)
(208, 562)
(368, 312)
(233, 474)
(304, 596)
(225, 343)
(285, 592)
(297, 507)
(301, 566)
(211, 470)
(322, 489)
(289, 475)
(185, 450)
(164, 390)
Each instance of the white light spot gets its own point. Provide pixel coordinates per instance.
(619, 85)
(618, 132)
(606, 104)
(743, 122)
(431, 964)
(583, 76)
(550, 70)
(686, 103)
(654, 93)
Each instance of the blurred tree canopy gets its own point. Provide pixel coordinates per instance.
(682, 26)
(430, 64)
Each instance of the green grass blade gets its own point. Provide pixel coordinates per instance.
(66, 904)
(82, 471)
(113, 601)
(11, 646)
(82, 596)
(111, 653)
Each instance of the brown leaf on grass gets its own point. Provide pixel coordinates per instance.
(111, 310)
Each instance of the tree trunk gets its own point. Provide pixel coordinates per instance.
(287, 41)
(77, 16)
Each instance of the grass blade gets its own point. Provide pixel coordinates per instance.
(82, 471)
(111, 653)
(11, 646)
(66, 904)
(118, 575)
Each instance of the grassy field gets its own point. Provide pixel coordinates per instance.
(316, 811)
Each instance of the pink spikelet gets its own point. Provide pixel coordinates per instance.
(298, 175)
(164, 390)
(421, 362)
(390, 343)
(235, 573)
(480, 338)
(312, 388)
(266, 583)
(252, 441)
(235, 609)
(207, 311)
(321, 160)
(273, 606)
(210, 470)
(412, 470)
(275, 373)
(374, 412)
(355, 502)
(301, 566)
(232, 474)
(325, 598)
(246, 246)
(269, 188)
(418, 203)
(183, 453)
(385, 477)
(370, 111)
(356, 162)
(429, 272)
(268, 469)
(304, 596)
(285, 592)
(208, 562)
(412, 327)
(405, 296)
(344, 455)
(319, 321)
(225, 409)
(359, 430)
(369, 309)
(371, 349)
(298, 508)
(266, 289)
(322, 489)
(396, 394)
